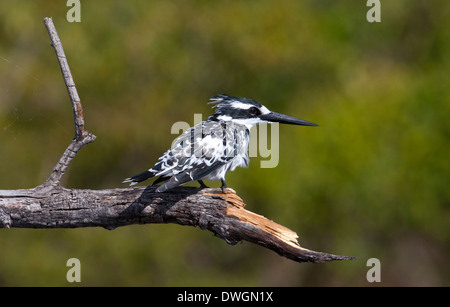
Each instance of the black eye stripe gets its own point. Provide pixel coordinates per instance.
(254, 111)
(241, 113)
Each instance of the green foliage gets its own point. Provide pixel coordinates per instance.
(371, 181)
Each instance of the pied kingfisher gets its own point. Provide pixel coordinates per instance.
(213, 147)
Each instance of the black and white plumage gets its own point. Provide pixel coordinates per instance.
(213, 147)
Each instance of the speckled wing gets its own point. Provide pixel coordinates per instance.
(201, 151)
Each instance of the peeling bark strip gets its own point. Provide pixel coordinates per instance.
(52, 206)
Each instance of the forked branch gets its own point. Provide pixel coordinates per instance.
(81, 137)
(52, 206)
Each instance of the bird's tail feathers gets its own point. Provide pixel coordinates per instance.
(138, 178)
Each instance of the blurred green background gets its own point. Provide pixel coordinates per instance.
(372, 181)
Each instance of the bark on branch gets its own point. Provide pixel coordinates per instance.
(81, 137)
(52, 206)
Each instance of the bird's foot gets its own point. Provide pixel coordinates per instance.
(202, 184)
(224, 186)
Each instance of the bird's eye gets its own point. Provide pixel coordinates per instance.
(254, 111)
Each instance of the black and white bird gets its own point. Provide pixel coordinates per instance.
(215, 146)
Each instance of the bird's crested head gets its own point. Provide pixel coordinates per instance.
(248, 112)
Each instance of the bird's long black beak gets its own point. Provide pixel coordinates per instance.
(285, 119)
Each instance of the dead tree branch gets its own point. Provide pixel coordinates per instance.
(52, 206)
(81, 137)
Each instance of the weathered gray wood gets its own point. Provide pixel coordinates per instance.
(209, 209)
(68, 79)
(81, 137)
